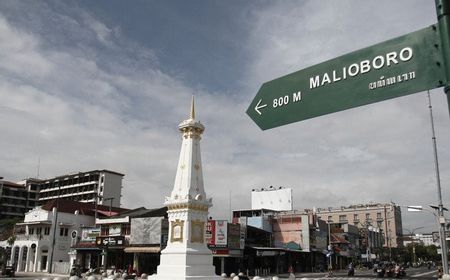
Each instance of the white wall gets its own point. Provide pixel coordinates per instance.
(71, 221)
(37, 215)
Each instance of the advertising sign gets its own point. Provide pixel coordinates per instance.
(243, 232)
(89, 234)
(103, 241)
(210, 232)
(115, 230)
(146, 230)
(221, 233)
(234, 234)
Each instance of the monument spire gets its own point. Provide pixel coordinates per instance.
(192, 115)
(187, 255)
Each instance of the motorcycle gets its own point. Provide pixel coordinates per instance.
(75, 271)
(397, 272)
(351, 271)
(380, 272)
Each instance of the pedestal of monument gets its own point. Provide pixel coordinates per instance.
(186, 264)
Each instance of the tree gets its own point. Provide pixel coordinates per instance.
(7, 227)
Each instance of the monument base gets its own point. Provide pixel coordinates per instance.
(186, 263)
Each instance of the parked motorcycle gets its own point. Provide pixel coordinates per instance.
(380, 272)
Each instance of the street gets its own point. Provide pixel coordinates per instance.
(411, 273)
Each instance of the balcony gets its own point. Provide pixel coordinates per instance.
(32, 237)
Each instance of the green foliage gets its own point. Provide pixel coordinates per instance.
(423, 253)
(7, 227)
(11, 239)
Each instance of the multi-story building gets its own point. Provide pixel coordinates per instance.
(16, 199)
(132, 239)
(386, 216)
(426, 239)
(45, 235)
(103, 187)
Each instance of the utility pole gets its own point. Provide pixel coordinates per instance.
(441, 218)
(330, 249)
(55, 213)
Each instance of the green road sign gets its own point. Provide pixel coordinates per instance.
(397, 67)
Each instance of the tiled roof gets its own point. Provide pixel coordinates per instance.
(70, 206)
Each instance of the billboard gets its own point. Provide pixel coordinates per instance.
(210, 232)
(234, 236)
(278, 199)
(89, 234)
(221, 233)
(146, 230)
(115, 229)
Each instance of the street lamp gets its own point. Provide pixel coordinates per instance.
(411, 233)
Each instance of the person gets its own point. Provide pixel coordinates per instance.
(440, 271)
(351, 270)
(291, 272)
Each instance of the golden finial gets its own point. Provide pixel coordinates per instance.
(192, 115)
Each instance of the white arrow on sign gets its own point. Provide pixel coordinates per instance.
(257, 107)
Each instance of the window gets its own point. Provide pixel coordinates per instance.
(367, 216)
(31, 231)
(46, 230)
(379, 215)
(38, 231)
(104, 230)
(125, 229)
(63, 231)
(342, 218)
(330, 219)
(355, 217)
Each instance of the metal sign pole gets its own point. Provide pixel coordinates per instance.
(443, 16)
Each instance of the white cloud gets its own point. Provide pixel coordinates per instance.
(79, 107)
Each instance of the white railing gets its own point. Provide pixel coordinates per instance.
(32, 237)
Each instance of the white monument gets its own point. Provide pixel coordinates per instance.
(187, 255)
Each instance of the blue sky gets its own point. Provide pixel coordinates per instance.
(103, 84)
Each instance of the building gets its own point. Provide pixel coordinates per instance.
(16, 199)
(103, 187)
(46, 234)
(131, 239)
(303, 238)
(387, 217)
(426, 239)
(297, 239)
(344, 242)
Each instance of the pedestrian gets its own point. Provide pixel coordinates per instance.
(291, 272)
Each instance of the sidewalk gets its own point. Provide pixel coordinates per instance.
(39, 275)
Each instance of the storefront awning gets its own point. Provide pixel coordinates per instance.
(273, 250)
(142, 249)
